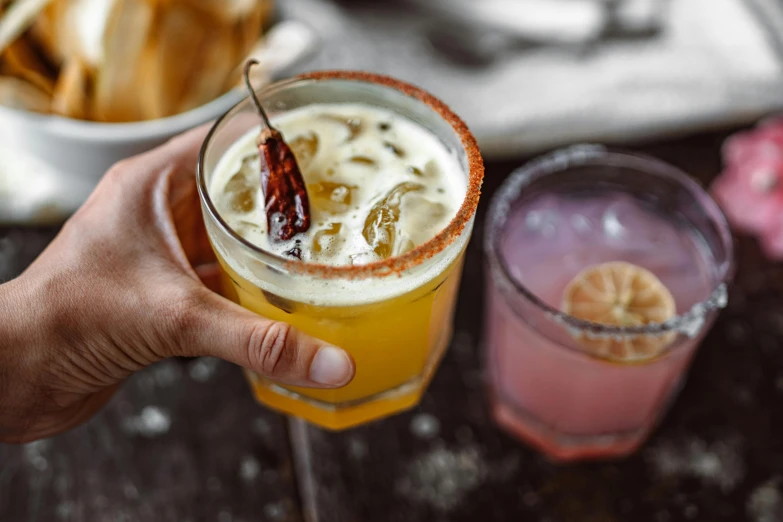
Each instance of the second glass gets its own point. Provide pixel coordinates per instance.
(393, 316)
(576, 389)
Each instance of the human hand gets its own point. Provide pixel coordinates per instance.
(125, 284)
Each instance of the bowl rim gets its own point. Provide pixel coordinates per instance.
(127, 131)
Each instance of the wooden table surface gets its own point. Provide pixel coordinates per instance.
(184, 441)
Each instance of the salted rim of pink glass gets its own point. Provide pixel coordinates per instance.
(586, 154)
(392, 265)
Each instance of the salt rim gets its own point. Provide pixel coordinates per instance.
(688, 323)
(392, 265)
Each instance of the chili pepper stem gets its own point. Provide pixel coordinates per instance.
(261, 112)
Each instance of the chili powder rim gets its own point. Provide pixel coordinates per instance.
(393, 265)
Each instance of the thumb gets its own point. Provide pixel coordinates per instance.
(211, 325)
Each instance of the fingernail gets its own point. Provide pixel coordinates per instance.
(331, 366)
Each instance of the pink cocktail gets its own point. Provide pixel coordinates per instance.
(575, 209)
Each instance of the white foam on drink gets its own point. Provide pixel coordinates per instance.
(362, 154)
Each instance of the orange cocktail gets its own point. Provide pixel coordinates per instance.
(393, 180)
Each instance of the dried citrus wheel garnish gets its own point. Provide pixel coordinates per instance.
(625, 295)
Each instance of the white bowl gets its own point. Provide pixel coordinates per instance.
(50, 164)
(86, 149)
(56, 162)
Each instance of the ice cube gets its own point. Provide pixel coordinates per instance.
(247, 229)
(581, 224)
(334, 198)
(353, 125)
(627, 222)
(242, 189)
(542, 221)
(380, 227)
(432, 169)
(304, 147)
(418, 216)
(612, 226)
(362, 258)
(534, 219)
(325, 240)
(403, 246)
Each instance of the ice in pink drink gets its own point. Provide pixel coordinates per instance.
(545, 388)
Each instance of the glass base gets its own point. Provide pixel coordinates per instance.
(564, 447)
(337, 416)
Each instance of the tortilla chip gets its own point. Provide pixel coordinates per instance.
(226, 11)
(249, 28)
(19, 94)
(117, 78)
(18, 18)
(20, 60)
(159, 57)
(247, 31)
(206, 78)
(174, 54)
(72, 90)
(54, 31)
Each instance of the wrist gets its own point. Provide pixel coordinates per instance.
(19, 355)
(20, 321)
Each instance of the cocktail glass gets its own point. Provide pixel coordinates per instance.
(573, 209)
(397, 337)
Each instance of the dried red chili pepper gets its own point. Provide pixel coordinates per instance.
(286, 202)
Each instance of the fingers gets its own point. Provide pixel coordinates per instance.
(203, 323)
(213, 326)
(172, 172)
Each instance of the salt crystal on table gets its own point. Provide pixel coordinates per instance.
(151, 422)
(720, 463)
(765, 503)
(442, 477)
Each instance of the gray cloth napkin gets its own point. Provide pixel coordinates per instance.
(714, 63)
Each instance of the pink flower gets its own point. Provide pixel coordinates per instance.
(750, 189)
(765, 141)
